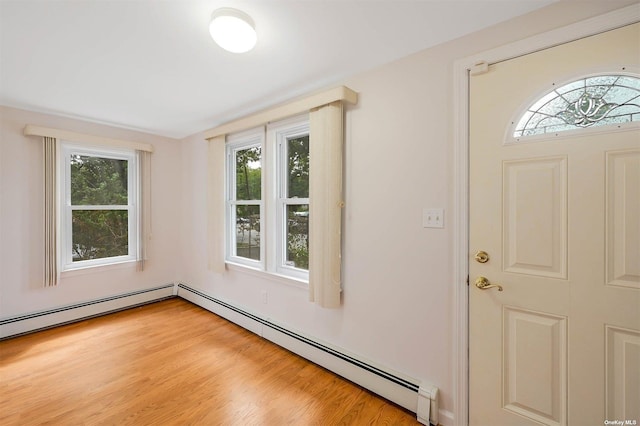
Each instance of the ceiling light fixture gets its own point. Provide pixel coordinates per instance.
(233, 30)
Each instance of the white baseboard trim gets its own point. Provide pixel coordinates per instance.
(406, 392)
(446, 417)
(36, 321)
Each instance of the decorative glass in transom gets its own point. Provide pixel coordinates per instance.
(584, 103)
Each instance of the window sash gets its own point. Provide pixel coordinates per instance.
(67, 208)
(283, 242)
(282, 132)
(232, 236)
(246, 140)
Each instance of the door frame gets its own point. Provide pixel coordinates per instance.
(608, 21)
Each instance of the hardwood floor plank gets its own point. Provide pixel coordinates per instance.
(169, 363)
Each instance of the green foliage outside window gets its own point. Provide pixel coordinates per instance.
(298, 236)
(248, 187)
(298, 215)
(99, 233)
(298, 172)
(248, 174)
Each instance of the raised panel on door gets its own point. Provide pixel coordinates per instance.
(535, 365)
(623, 218)
(535, 217)
(623, 374)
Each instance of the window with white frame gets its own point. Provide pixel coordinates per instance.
(244, 199)
(268, 198)
(292, 198)
(98, 206)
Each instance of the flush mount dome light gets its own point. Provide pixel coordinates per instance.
(233, 30)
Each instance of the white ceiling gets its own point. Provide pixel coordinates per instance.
(151, 65)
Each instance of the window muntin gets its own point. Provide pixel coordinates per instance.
(585, 103)
(98, 208)
(244, 200)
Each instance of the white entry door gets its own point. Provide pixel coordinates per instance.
(555, 221)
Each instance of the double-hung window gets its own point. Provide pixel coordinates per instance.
(292, 204)
(98, 206)
(268, 198)
(244, 199)
(293, 228)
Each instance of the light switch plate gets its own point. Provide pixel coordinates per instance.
(433, 218)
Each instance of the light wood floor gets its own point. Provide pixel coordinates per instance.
(173, 363)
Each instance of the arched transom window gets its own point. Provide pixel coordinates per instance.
(585, 103)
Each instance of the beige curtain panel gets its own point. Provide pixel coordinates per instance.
(325, 205)
(144, 202)
(216, 204)
(50, 216)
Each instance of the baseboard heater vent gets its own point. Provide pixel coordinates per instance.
(421, 399)
(37, 321)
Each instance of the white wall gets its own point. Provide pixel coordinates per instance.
(397, 280)
(21, 221)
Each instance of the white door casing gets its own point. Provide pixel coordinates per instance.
(560, 219)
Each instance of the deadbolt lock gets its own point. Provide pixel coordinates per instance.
(482, 257)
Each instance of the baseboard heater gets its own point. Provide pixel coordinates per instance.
(41, 320)
(421, 399)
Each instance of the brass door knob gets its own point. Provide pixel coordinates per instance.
(483, 284)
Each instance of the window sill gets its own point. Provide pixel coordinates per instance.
(271, 276)
(84, 270)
